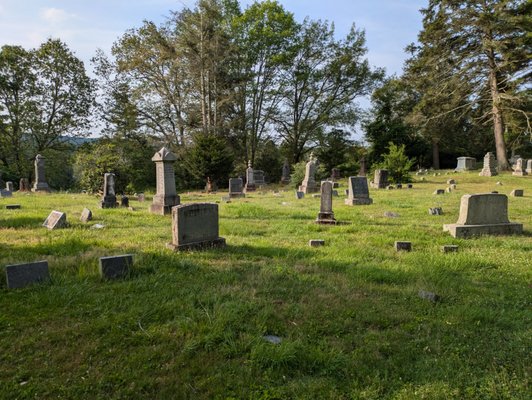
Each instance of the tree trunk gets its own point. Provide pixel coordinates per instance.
(435, 153)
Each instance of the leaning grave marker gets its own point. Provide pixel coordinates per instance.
(21, 275)
(55, 220)
(326, 214)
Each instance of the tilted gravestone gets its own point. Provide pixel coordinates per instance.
(236, 188)
(250, 179)
(40, 184)
(86, 215)
(380, 180)
(483, 214)
(166, 195)
(326, 214)
(465, 164)
(24, 185)
(55, 220)
(519, 170)
(358, 192)
(21, 275)
(309, 182)
(116, 267)
(195, 226)
(285, 176)
(490, 165)
(109, 196)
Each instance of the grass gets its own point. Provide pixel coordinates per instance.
(191, 325)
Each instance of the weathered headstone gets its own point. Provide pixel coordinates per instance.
(109, 196)
(335, 174)
(116, 267)
(358, 192)
(409, 186)
(390, 187)
(55, 220)
(399, 186)
(10, 187)
(210, 186)
(299, 195)
(435, 211)
(316, 242)
(166, 196)
(258, 177)
(86, 215)
(309, 182)
(326, 214)
(439, 191)
(380, 180)
(141, 197)
(449, 248)
(517, 193)
(124, 201)
(519, 169)
(250, 179)
(490, 165)
(21, 275)
(451, 182)
(483, 214)
(12, 206)
(529, 167)
(195, 226)
(403, 246)
(5, 193)
(24, 185)
(40, 184)
(465, 164)
(363, 169)
(285, 176)
(449, 189)
(236, 188)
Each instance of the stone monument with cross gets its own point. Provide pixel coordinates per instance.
(40, 184)
(166, 196)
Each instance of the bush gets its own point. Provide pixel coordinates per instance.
(397, 163)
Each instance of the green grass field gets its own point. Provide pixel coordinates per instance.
(191, 325)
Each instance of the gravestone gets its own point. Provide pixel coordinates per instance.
(10, 187)
(409, 186)
(490, 165)
(465, 164)
(316, 242)
(451, 182)
(236, 188)
(109, 196)
(250, 179)
(116, 267)
(439, 191)
(363, 169)
(435, 211)
(210, 186)
(40, 184)
(358, 192)
(124, 201)
(299, 195)
(195, 226)
(285, 176)
(403, 246)
(399, 186)
(517, 193)
(166, 196)
(449, 189)
(309, 182)
(326, 214)
(55, 220)
(86, 215)
(24, 185)
(258, 177)
(380, 180)
(449, 248)
(483, 214)
(390, 187)
(13, 207)
(518, 169)
(21, 275)
(141, 198)
(529, 167)
(5, 193)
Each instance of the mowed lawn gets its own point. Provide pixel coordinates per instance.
(191, 325)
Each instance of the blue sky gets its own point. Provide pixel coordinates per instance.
(86, 25)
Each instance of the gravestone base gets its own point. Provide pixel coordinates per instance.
(326, 218)
(236, 195)
(164, 206)
(519, 173)
(218, 243)
(250, 188)
(41, 188)
(308, 189)
(466, 231)
(109, 202)
(358, 202)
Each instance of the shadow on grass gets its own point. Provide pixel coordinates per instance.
(21, 222)
(245, 251)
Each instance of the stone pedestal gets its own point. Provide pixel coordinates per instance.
(166, 196)
(490, 165)
(250, 179)
(40, 184)
(358, 192)
(326, 214)
(109, 196)
(465, 164)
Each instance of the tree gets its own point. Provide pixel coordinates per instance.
(397, 163)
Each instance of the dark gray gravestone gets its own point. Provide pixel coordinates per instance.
(435, 211)
(55, 220)
(116, 267)
(86, 215)
(5, 193)
(236, 188)
(124, 201)
(12, 206)
(316, 242)
(403, 246)
(21, 275)
(326, 214)
(300, 195)
(449, 248)
(195, 226)
(439, 191)
(358, 192)
(109, 196)
(517, 193)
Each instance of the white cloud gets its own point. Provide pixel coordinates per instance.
(55, 15)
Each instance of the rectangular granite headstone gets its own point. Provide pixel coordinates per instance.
(55, 220)
(358, 192)
(21, 275)
(116, 267)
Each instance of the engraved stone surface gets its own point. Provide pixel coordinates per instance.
(490, 165)
(403, 246)
(21, 275)
(449, 248)
(195, 226)
(309, 182)
(86, 215)
(12, 206)
(5, 193)
(109, 196)
(358, 192)
(236, 187)
(285, 177)
(40, 184)
(55, 220)
(483, 214)
(166, 196)
(465, 164)
(326, 214)
(116, 267)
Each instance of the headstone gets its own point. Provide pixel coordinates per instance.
(513, 159)
(449, 248)
(273, 339)
(336, 185)
(309, 182)
(449, 189)
(529, 167)
(390, 187)
(358, 192)
(326, 214)
(316, 242)
(86, 215)
(21, 275)
(519, 170)
(258, 177)
(490, 165)
(380, 180)
(299, 195)
(141, 197)
(466, 164)
(285, 177)
(439, 191)
(109, 196)
(335, 174)
(166, 196)
(453, 186)
(399, 186)
(433, 297)
(403, 246)
(210, 186)
(40, 184)
(517, 193)
(250, 179)
(116, 267)
(483, 214)
(55, 220)
(346, 191)
(363, 169)
(124, 201)
(236, 188)
(409, 186)
(12, 206)
(5, 193)
(435, 211)
(24, 185)
(451, 182)
(195, 226)
(10, 187)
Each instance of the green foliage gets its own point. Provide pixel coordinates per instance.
(269, 160)
(397, 163)
(335, 151)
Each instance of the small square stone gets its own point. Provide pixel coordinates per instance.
(12, 206)
(517, 193)
(449, 248)
(316, 242)
(403, 246)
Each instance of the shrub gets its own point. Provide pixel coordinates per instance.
(397, 163)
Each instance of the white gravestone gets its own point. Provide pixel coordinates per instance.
(166, 196)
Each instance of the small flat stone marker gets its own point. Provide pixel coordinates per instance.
(316, 242)
(391, 214)
(86, 215)
(272, 339)
(403, 246)
(514, 193)
(451, 181)
(435, 211)
(439, 191)
(12, 206)
(449, 248)
(55, 220)
(300, 195)
(116, 267)
(21, 275)
(409, 186)
(433, 297)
